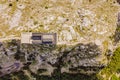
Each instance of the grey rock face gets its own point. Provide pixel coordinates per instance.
(82, 57)
(117, 32)
(85, 51)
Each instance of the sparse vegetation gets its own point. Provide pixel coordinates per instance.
(113, 67)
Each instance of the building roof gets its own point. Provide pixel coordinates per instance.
(38, 38)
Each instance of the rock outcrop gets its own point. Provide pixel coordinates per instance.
(81, 58)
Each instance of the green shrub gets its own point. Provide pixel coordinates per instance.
(113, 66)
(114, 77)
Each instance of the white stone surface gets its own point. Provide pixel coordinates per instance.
(14, 22)
(2, 7)
(86, 22)
(21, 6)
(98, 42)
(25, 38)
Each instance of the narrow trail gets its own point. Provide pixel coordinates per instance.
(9, 38)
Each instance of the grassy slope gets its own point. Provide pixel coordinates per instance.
(113, 69)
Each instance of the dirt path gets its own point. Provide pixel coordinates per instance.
(10, 38)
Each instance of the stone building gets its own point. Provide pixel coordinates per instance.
(38, 38)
